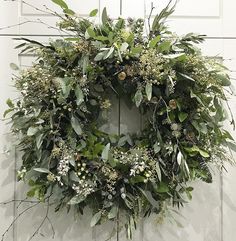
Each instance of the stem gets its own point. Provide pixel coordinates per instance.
(15, 219)
(149, 18)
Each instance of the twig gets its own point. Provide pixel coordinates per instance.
(43, 221)
(15, 219)
(149, 17)
(37, 9)
(21, 201)
(15, 25)
(52, 27)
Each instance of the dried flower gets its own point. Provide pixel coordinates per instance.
(173, 104)
(106, 104)
(122, 75)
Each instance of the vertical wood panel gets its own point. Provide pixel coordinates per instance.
(229, 181)
(7, 152)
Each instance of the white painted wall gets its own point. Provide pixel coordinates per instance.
(211, 216)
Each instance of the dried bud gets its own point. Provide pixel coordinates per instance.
(122, 75)
(173, 104)
(78, 157)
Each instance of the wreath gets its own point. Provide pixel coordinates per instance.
(66, 97)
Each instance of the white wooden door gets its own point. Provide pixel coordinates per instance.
(212, 213)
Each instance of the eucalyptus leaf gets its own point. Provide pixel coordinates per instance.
(149, 90)
(105, 152)
(10, 103)
(96, 218)
(14, 66)
(76, 126)
(162, 187)
(61, 3)
(113, 212)
(138, 97)
(42, 170)
(104, 16)
(179, 158)
(93, 13)
(182, 116)
(158, 170)
(79, 95)
(154, 41)
(91, 32)
(32, 131)
(76, 200)
(156, 147)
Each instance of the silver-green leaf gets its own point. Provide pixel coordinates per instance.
(148, 90)
(105, 152)
(76, 126)
(138, 98)
(96, 218)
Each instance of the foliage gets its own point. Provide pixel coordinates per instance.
(65, 94)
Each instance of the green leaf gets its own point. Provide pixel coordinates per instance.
(91, 32)
(224, 79)
(14, 66)
(6, 112)
(162, 187)
(65, 86)
(42, 170)
(96, 218)
(137, 179)
(105, 152)
(10, 103)
(32, 131)
(79, 95)
(61, 3)
(156, 147)
(136, 50)
(182, 116)
(113, 212)
(39, 140)
(76, 200)
(187, 77)
(203, 128)
(104, 16)
(203, 153)
(73, 175)
(76, 126)
(154, 41)
(93, 13)
(68, 11)
(179, 158)
(158, 170)
(109, 53)
(149, 197)
(101, 38)
(124, 47)
(180, 56)
(100, 56)
(138, 98)
(164, 46)
(148, 89)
